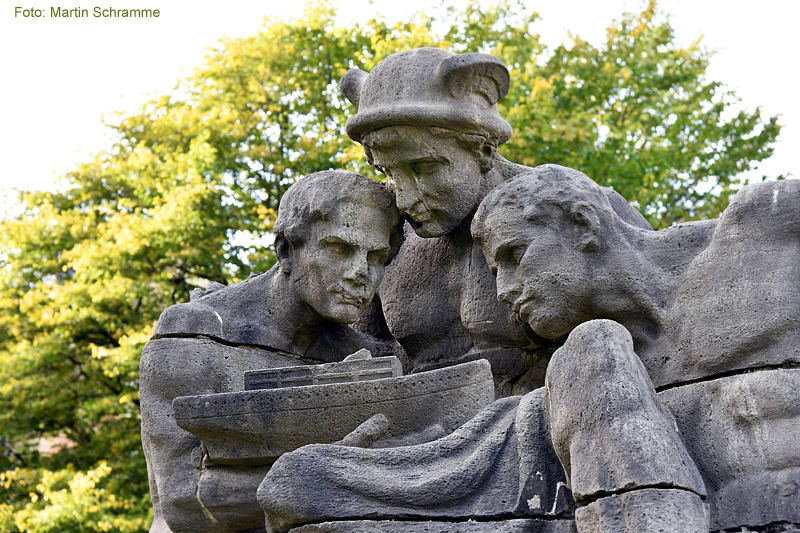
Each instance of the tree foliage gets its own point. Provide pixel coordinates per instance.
(639, 115)
(188, 194)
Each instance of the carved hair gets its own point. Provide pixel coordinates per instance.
(317, 196)
(581, 201)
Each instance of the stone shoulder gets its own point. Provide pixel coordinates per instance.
(235, 314)
(767, 208)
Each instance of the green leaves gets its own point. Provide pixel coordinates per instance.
(639, 115)
(67, 501)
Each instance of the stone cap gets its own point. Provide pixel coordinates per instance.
(430, 87)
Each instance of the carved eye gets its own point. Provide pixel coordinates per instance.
(377, 257)
(510, 257)
(337, 248)
(517, 254)
(425, 168)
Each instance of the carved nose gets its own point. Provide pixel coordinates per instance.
(507, 296)
(405, 196)
(507, 290)
(357, 269)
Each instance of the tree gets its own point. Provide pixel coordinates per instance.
(639, 115)
(188, 194)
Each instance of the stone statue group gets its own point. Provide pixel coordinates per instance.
(642, 381)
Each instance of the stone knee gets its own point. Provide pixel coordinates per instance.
(609, 429)
(288, 493)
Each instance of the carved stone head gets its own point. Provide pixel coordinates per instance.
(541, 233)
(335, 233)
(428, 118)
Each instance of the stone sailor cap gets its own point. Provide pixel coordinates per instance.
(430, 87)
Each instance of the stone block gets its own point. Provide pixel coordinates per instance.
(645, 511)
(402, 526)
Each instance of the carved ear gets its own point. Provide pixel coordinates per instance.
(482, 78)
(284, 252)
(351, 84)
(588, 225)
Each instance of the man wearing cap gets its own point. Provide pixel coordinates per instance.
(428, 118)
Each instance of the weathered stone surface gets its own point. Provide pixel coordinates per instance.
(220, 315)
(499, 464)
(226, 493)
(565, 252)
(609, 429)
(429, 87)
(429, 119)
(752, 472)
(738, 304)
(334, 233)
(189, 366)
(386, 526)
(707, 312)
(649, 510)
(258, 426)
(360, 366)
(713, 309)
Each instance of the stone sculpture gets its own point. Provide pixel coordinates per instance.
(631, 300)
(428, 118)
(334, 234)
(361, 401)
(713, 309)
(670, 358)
(497, 471)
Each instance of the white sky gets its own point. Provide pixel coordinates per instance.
(59, 76)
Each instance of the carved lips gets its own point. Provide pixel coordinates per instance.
(349, 298)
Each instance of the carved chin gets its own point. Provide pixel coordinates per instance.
(344, 313)
(551, 326)
(430, 229)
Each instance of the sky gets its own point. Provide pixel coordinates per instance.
(60, 76)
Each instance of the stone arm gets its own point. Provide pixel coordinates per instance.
(627, 465)
(188, 493)
(168, 448)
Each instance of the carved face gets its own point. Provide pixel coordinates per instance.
(542, 273)
(338, 268)
(436, 182)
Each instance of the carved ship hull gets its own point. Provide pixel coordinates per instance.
(257, 426)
